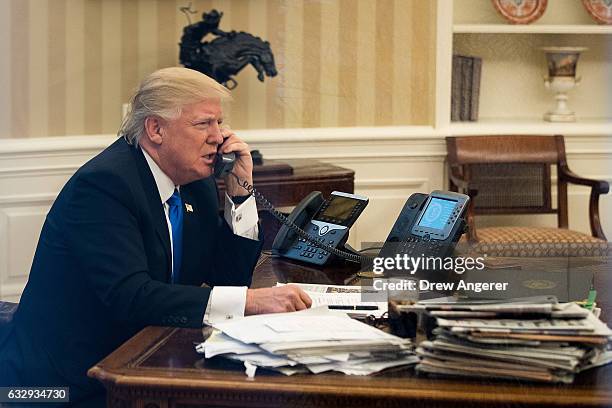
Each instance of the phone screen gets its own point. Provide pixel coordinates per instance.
(437, 213)
(339, 210)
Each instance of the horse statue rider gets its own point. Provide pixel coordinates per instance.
(225, 55)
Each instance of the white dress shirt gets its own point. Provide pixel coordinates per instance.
(225, 302)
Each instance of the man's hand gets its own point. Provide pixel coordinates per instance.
(287, 298)
(243, 167)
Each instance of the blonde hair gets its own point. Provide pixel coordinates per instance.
(164, 93)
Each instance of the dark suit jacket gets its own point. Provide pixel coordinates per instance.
(102, 268)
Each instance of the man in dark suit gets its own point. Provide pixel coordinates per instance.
(133, 235)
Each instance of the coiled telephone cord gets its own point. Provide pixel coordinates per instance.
(267, 205)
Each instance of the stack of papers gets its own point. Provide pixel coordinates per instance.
(548, 342)
(312, 340)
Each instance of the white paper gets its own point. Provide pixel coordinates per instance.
(249, 369)
(363, 366)
(218, 343)
(324, 295)
(264, 360)
(318, 339)
(304, 325)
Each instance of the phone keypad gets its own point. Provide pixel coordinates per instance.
(307, 251)
(423, 247)
(310, 250)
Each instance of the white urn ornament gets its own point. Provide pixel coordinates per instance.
(561, 79)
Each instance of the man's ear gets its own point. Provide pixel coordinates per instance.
(153, 129)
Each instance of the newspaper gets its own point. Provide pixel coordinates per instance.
(587, 326)
(535, 341)
(339, 295)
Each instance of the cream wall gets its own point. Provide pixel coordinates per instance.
(70, 64)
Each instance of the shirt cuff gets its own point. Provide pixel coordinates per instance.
(225, 303)
(240, 199)
(242, 219)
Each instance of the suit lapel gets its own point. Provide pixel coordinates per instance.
(155, 206)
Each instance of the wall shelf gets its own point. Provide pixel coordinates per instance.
(531, 29)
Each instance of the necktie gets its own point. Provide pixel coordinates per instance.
(175, 214)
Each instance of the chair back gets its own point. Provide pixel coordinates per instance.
(511, 173)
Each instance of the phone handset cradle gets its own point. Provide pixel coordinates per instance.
(302, 212)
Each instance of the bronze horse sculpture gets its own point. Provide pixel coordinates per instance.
(227, 54)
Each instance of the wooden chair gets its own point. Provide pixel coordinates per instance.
(512, 175)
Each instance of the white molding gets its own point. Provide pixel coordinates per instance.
(87, 143)
(26, 199)
(532, 126)
(39, 171)
(339, 134)
(22, 209)
(339, 156)
(588, 154)
(391, 159)
(292, 140)
(49, 145)
(554, 180)
(371, 183)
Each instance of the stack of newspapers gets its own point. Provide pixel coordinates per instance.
(548, 342)
(313, 340)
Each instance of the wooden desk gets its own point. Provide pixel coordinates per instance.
(289, 189)
(160, 368)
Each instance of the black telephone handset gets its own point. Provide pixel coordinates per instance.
(428, 225)
(224, 163)
(323, 228)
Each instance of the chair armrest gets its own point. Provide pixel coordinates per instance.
(462, 183)
(600, 186)
(464, 187)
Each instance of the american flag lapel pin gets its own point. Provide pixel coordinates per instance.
(188, 207)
